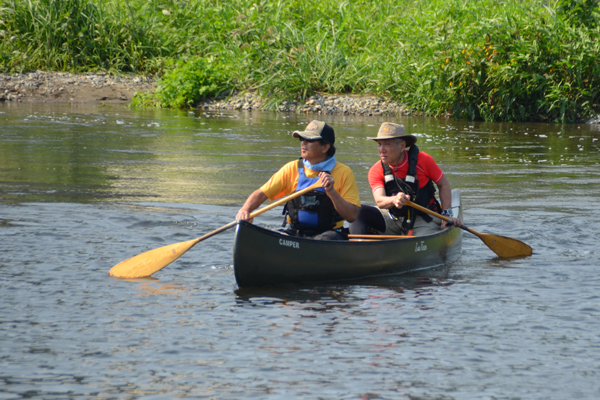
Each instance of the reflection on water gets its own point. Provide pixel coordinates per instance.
(82, 189)
(75, 154)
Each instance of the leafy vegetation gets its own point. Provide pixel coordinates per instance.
(483, 59)
(185, 83)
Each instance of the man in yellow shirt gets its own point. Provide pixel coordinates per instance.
(319, 214)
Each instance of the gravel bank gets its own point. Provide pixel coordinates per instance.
(63, 87)
(58, 87)
(317, 104)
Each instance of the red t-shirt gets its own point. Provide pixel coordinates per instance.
(426, 169)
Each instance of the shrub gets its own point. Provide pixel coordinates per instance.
(187, 82)
(519, 71)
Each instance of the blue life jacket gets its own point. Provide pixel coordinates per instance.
(313, 211)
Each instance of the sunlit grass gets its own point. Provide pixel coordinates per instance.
(509, 61)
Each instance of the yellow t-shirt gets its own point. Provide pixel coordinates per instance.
(285, 180)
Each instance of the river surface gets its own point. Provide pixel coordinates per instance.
(85, 187)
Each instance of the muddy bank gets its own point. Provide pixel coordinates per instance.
(63, 87)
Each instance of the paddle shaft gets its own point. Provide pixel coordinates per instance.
(432, 213)
(377, 237)
(147, 263)
(256, 213)
(442, 217)
(501, 245)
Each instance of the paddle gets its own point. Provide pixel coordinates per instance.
(147, 263)
(501, 245)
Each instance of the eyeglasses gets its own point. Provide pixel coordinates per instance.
(309, 140)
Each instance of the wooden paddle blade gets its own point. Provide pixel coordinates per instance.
(152, 261)
(504, 246)
(147, 263)
(501, 245)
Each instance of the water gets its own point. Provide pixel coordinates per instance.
(82, 189)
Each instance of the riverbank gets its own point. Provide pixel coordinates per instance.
(485, 60)
(64, 87)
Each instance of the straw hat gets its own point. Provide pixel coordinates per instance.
(389, 130)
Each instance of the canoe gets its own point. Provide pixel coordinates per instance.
(263, 257)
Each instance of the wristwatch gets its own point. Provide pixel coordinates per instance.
(447, 212)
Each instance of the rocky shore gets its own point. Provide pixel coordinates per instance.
(57, 87)
(66, 87)
(318, 104)
(62, 87)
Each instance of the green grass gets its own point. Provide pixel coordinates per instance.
(483, 59)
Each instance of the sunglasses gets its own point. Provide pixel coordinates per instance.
(309, 140)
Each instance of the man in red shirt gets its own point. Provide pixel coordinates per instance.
(403, 175)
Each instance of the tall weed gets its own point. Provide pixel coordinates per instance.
(482, 59)
(76, 35)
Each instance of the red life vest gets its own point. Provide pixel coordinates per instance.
(424, 196)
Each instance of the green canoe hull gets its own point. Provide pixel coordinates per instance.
(262, 257)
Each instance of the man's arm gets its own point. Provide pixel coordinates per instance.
(446, 199)
(445, 193)
(252, 203)
(387, 202)
(347, 210)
